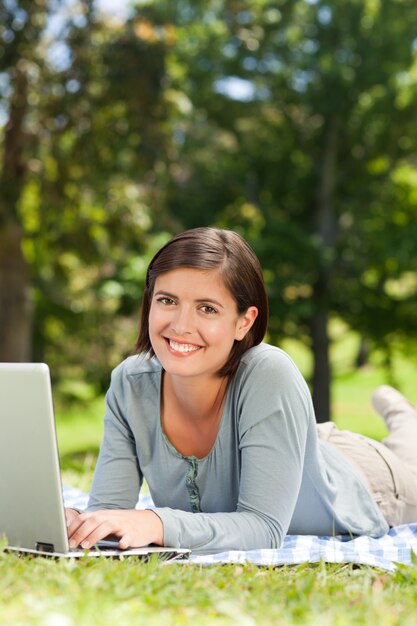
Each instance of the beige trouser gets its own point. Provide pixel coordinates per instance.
(389, 468)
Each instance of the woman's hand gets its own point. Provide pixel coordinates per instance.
(133, 528)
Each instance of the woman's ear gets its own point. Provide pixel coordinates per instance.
(245, 322)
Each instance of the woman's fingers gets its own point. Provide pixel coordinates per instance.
(92, 534)
(70, 515)
(88, 528)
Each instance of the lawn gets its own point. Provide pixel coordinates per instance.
(109, 592)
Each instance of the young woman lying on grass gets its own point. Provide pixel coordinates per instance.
(222, 426)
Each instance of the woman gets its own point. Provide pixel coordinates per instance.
(222, 426)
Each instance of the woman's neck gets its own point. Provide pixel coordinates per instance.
(195, 398)
(191, 413)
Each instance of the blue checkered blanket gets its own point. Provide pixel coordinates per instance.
(386, 552)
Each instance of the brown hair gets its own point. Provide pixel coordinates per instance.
(226, 251)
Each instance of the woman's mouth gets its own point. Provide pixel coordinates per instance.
(183, 348)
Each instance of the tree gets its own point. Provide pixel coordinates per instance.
(294, 122)
(82, 138)
(22, 26)
(291, 121)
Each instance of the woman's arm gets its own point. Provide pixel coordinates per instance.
(115, 491)
(116, 485)
(117, 477)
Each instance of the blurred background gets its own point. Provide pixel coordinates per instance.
(293, 122)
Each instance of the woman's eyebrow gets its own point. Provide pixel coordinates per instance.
(164, 293)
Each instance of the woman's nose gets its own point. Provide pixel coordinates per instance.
(182, 322)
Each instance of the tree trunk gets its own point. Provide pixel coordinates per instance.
(325, 230)
(15, 304)
(321, 381)
(15, 307)
(362, 357)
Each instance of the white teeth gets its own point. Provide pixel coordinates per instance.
(182, 347)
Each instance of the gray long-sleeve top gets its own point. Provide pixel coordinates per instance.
(267, 474)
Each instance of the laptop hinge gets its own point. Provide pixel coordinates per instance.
(44, 547)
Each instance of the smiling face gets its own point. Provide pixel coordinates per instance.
(193, 322)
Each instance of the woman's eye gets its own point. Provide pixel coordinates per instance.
(208, 309)
(165, 300)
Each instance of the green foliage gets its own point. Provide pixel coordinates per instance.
(93, 132)
(294, 123)
(306, 161)
(291, 122)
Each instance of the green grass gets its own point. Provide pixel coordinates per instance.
(108, 592)
(104, 592)
(80, 427)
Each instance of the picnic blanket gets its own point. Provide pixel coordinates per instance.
(385, 553)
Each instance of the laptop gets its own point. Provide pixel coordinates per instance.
(32, 515)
